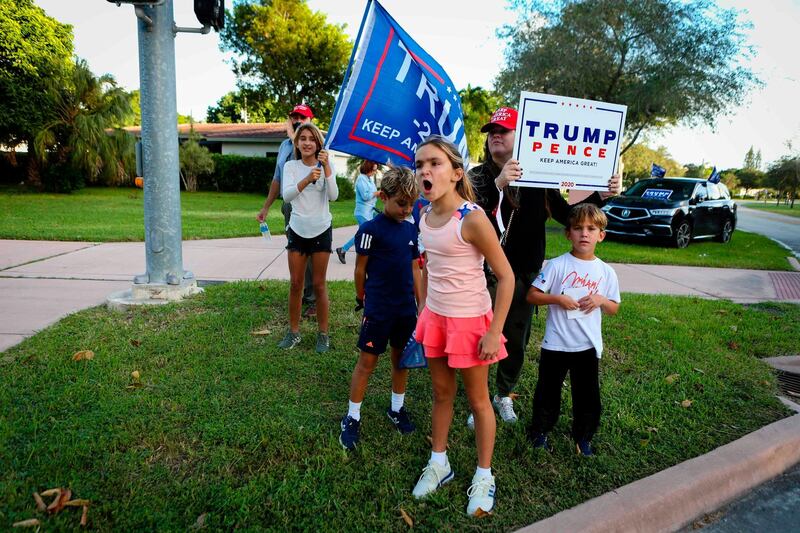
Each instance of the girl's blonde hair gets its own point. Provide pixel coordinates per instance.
(314, 131)
(463, 186)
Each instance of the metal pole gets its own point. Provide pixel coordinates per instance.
(162, 206)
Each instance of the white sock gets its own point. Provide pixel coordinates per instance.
(440, 458)
(397, 401)
(354, 411)
(483, 472)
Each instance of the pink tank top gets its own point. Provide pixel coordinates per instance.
(456, 283)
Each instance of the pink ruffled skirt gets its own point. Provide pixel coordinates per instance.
(455, 338)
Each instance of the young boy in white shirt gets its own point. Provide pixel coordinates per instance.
(577, 286)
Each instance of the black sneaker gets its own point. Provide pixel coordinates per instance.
(340, 253)
(539, 441)
(400, 420)
(584, 448)
(348, 438)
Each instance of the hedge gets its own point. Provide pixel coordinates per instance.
(237, 173)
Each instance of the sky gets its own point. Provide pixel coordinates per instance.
(461, 35)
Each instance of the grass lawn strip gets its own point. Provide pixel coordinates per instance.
(746, 250)
(781, 209)
(226, 424)
(103, 215)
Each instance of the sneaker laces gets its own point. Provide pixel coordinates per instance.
(431, 469)
(481, 487)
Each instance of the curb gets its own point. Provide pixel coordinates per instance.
(672, 498)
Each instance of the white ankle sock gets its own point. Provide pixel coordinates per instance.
(483, 472)
(439, 458)
(354, 411)
(397, 401)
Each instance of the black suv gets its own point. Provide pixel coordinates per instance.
(676, 209)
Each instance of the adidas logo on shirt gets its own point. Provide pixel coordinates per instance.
(366, 241)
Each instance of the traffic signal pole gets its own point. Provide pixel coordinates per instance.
(165, 279)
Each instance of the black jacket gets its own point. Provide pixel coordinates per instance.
(526, 234)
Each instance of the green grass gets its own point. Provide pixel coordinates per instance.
(104, 214)
(781, 209)
(228, 425)
(745, 250)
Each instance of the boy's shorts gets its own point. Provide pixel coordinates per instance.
(377, 332)
(313, 245)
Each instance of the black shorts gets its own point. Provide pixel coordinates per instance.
(376, 333)
(319, 244)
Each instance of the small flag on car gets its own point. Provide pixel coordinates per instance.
(657, 171)
(715, 175)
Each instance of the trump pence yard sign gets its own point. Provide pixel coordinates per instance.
(567, 143)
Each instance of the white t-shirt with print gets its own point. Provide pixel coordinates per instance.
(310, 212)
(568, 274)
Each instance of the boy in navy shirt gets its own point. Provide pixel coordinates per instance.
(387, 283)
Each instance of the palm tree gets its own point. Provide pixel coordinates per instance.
(77, 133)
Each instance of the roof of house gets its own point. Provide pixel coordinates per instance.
(229, 132)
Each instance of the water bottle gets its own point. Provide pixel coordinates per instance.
(265, 230)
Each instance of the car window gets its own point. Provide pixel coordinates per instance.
(713, 191)
(661, 188)
(701, 193)
(724, 191)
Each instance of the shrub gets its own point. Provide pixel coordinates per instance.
(346, 190)
(236, 173)
(13, 167)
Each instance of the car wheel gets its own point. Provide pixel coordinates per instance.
(727, 231)
(682, 235)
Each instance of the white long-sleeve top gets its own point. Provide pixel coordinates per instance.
(310, 212)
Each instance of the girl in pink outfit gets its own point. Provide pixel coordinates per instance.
(456, 324)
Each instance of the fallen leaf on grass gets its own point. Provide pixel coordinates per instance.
(200, 523)
(136, 342)
(406, 518)
(654, 319)
(721, 312)
(40, 505)
(77, 503)
(686, 403)
(58, 502)
(733, 345)
(734, 329)
(672, 378)
(261, 332)
(50, 492)
(135, 375)
(652, 430)
(698, 370)
(30, 522)
(85, 516)
(83, 355)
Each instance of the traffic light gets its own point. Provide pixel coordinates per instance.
(210, 13)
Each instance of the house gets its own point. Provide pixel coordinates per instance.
(250, 140)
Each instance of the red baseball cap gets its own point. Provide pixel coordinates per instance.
(505, 117)
(302, 110)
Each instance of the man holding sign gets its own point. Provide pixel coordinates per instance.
(519, 215)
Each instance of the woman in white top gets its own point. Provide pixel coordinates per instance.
(309, 233)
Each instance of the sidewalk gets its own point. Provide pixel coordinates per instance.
(43, 281)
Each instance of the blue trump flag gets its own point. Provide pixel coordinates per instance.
(394, 95)
(715, 175)
(657, 171)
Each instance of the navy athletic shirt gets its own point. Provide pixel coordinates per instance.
(390, 246)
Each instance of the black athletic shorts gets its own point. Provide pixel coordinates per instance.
(376, 333)
(320, 243)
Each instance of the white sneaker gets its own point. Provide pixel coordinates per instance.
(433, 476)
(471, 421)
(505, 408)
(481, 496)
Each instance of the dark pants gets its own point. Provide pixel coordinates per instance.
(309, 298)
(517, 331)
(583, 378)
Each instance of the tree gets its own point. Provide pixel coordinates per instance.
(34, 49)
(195, 161)
(235, 105)
(75, 132)
(784, 175)
(750, 178)
(478, 104)
(287, 53)
(638, 162)
(728, 177)
(669, 61)
(752, 160)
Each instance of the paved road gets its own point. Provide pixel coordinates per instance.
(779, 227)
(773, 507)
